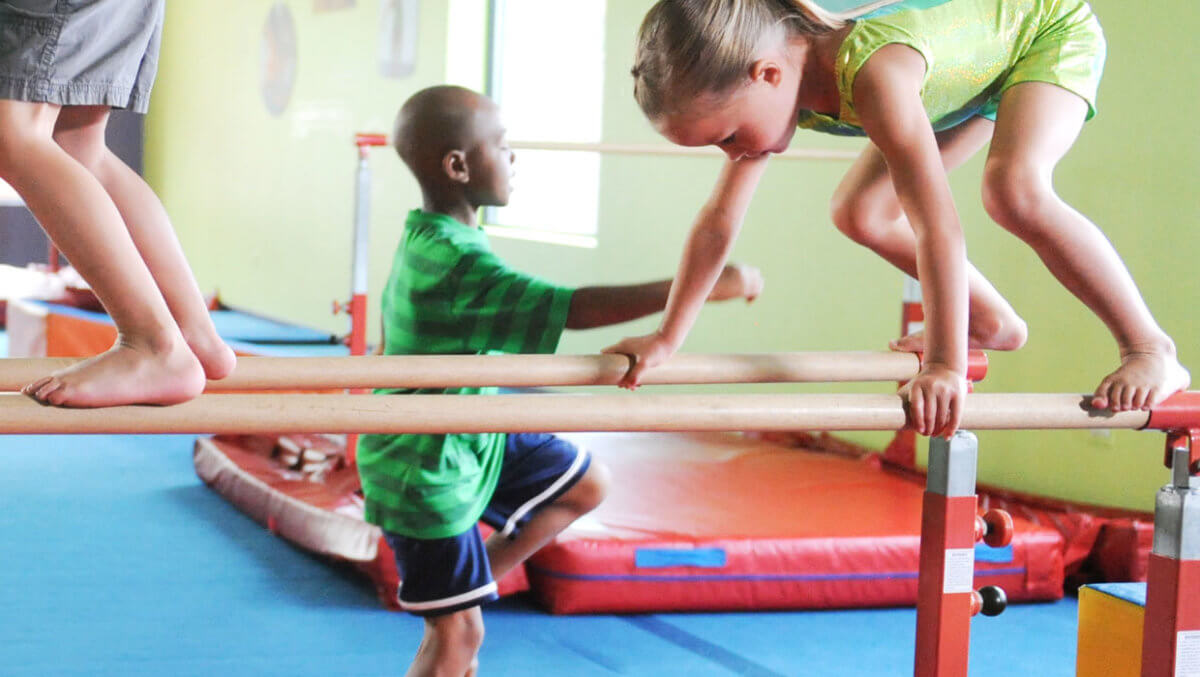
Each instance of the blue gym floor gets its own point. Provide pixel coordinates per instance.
(117, 560)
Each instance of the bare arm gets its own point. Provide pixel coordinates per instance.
(887, 96)
(707, 247)
(602, 306)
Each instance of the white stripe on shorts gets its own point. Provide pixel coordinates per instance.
(520, 512)
(477, 593)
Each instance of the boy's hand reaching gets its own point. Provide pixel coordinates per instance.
(646, 351)
(737, 281)
(935, 399)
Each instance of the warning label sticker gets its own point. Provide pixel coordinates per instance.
(960, 570)
(1187, 654)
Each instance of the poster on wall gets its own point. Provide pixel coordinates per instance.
(398, 37)
(278, 59)
(331, 5)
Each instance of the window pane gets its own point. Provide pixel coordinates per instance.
(554, 190)
(543, 50)
(466, 56)
(540, 50)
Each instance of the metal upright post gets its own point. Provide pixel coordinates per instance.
(1171, 634)
(945, 587)
(361, 244)
(356, 307)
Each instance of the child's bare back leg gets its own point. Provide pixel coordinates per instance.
(866, 209)
(505, 553)
(151, 362)
(80, 132)
(450, 645)
(1036, 125)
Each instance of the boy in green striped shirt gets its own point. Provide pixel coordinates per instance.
(449, 294)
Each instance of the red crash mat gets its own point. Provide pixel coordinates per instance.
(721, 521)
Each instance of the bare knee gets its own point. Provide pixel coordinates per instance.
(1017, 197)
(860, 219)
(459, 634)
(589, 491)
(87, 149)
(11, 151)
(18, 143)
(24, 131)
(80, 131)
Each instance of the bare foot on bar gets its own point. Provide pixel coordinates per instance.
(216, 357)
(123, 375)
(1147, 375)
(982, 334)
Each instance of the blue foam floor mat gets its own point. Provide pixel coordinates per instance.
(232, 325)
(117, 560)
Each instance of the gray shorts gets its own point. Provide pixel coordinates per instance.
(80, 52)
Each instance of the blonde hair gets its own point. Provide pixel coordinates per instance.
(691, 47)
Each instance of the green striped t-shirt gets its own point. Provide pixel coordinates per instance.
(449, 294)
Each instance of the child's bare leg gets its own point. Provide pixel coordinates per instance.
(1036, 125)
(450, 646)
(505, 553)
(80, 132)
(866, 209)
(151, 362)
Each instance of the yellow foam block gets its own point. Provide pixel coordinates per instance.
(1110, 632)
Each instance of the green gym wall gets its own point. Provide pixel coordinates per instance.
(263, 206)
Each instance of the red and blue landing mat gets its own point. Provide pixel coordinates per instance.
(692, 522)
(300, 488)
(724, 522)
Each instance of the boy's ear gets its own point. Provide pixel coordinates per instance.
(454, 164)
(767, 71)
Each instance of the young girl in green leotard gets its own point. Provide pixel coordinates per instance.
(929, 82)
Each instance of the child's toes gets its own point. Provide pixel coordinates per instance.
(32, 388)
(1151, 399)
(47, 390)
(1103, 395)
(1122, 396)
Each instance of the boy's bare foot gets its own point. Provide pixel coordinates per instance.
(1008, 334)
(123, 375)
(216, 357)
(1147, 375)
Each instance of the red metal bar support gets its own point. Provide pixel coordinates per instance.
(945, 585)
(1171, 632)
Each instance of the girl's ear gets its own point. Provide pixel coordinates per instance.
(766, 70)
(454, 164)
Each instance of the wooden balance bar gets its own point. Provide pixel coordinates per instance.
(338, 413)
(517, 371)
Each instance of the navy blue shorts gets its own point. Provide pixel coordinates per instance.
(444, 575)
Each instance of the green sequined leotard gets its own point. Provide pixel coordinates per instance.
(974, 50)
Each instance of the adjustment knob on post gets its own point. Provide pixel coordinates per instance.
(995, 528)
(990, 600)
